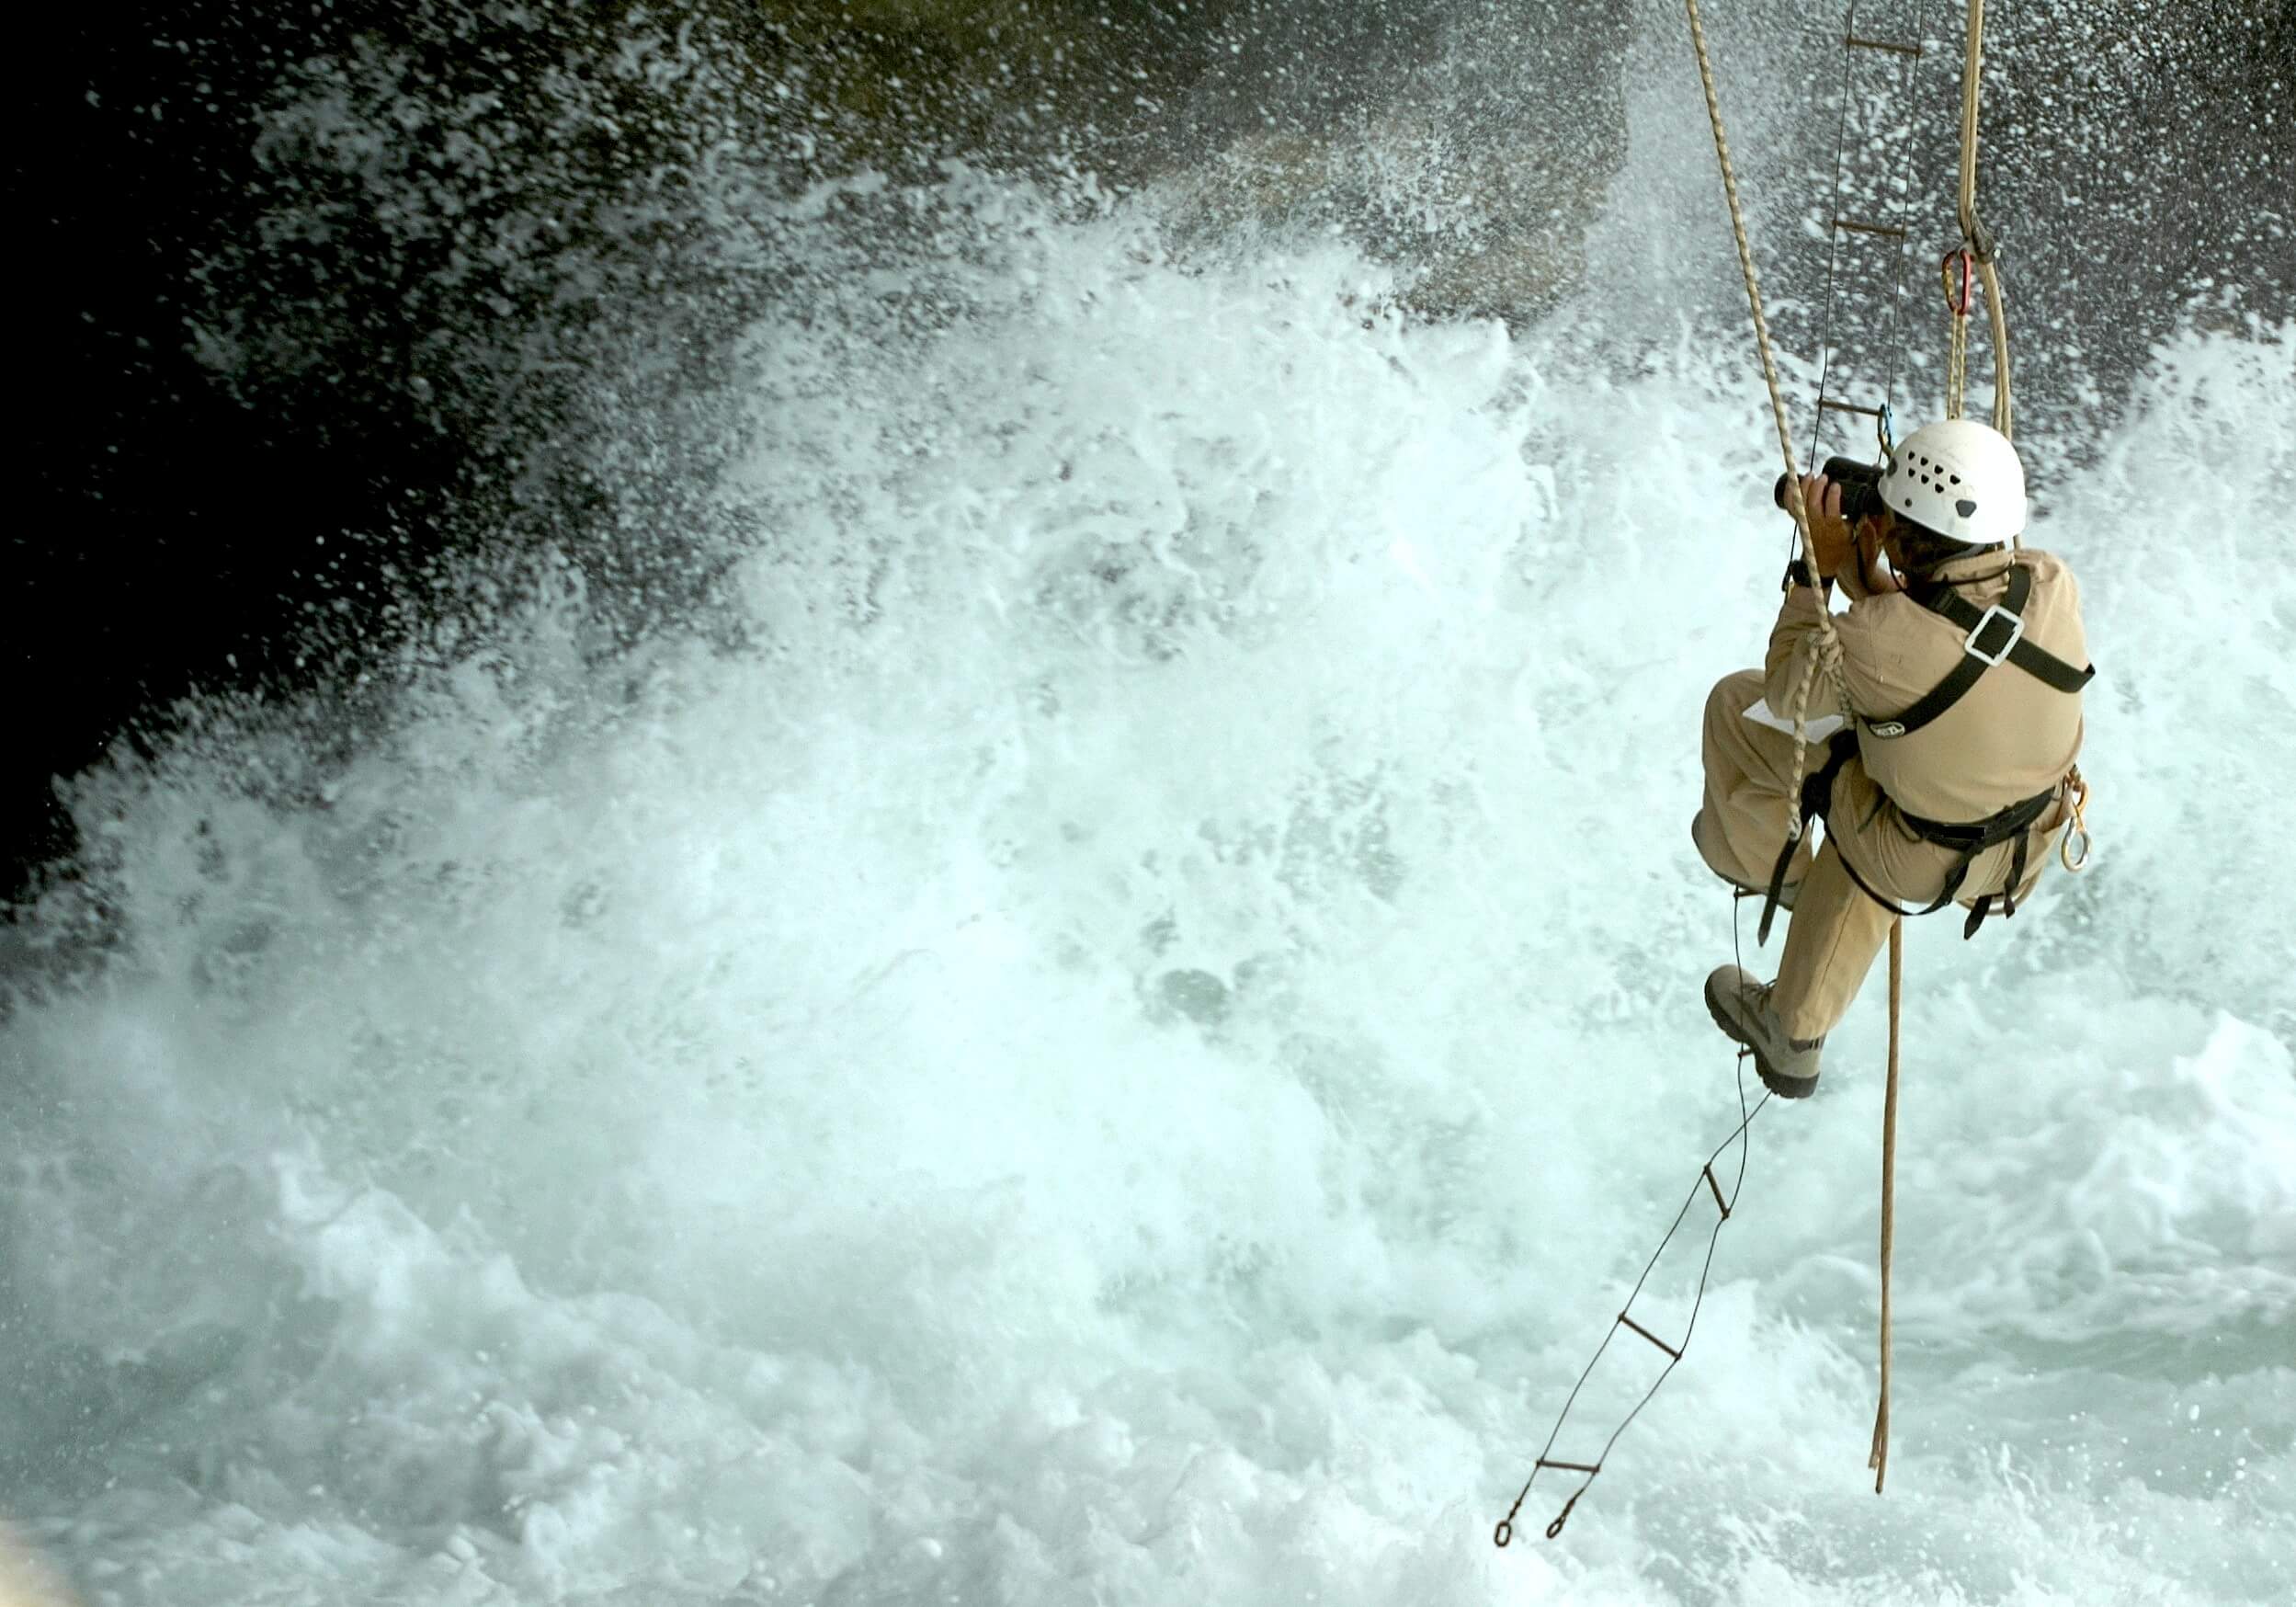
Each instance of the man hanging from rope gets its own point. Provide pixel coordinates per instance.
(1956, 773)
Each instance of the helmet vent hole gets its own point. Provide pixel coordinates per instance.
(1965, 507)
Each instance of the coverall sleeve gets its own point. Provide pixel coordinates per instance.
(1866, 658)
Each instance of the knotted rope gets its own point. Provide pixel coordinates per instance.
(1975, 259)
(1879, 1459)
(1829, 649)
(1978, 253)
(1978, 238)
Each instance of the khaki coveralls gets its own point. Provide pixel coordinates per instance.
(2009, 739)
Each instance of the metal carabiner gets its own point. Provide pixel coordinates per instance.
(1960, 303)
(2074, 851)
(2075, 857)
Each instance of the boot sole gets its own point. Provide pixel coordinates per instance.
(1785, 1088)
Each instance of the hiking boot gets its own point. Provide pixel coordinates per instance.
(1741, 1007)
(1708, 839)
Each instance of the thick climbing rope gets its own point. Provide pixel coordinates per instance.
(1978, 237)
(1879, 1459)
(1977, 251)
(1828, 652)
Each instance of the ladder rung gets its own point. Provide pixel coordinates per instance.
(1566, 1466)
(1828, 402)
(1854, 43)
(1719, 1204)
(1886, 230)
(1653, 1338)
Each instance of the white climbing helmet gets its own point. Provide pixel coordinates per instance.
(1959, 478)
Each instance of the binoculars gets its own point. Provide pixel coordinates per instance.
(1860, 484)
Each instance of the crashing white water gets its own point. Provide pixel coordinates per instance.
(1129, 1043)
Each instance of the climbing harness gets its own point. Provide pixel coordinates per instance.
(1966, 841)
(1994, 637)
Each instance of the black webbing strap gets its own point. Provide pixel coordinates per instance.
(1817, 792)
(2033, 659)
(1983, 906)
(2014, 824)
(1966, 841)
(1992, 636)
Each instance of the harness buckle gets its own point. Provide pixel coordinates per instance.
(1992, 617)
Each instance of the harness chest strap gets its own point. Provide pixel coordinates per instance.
(1993, 636)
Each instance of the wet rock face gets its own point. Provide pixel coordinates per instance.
(1465, 146)
(350, 317)
(329, 294)
(2139, 163)
(2133, 167)
(337, 303)
(1462, 144)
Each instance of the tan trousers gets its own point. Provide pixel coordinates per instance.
(1837, 927)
